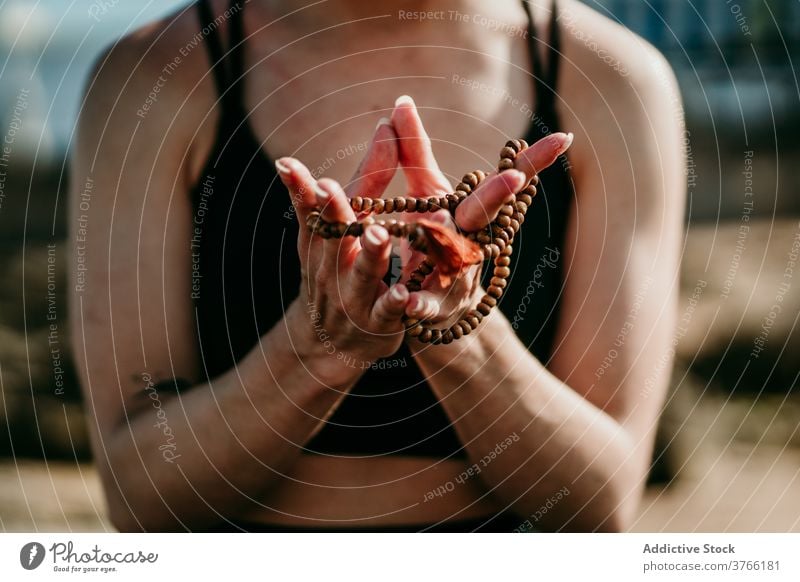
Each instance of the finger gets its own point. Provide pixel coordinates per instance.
(391, 305)
(335, 207)
(543, 153)
(379, 165)
(415, 152)
(300, 183)
(481, 207)
(423, 305)
(371, 264)
(333, 202)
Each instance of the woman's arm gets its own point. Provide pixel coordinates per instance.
(171, 462)
(576, 424)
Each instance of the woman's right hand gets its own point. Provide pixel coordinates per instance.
(345, 312)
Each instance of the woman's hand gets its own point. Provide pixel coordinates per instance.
(446, 304)
(345, 311)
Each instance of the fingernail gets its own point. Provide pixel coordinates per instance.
(383, 121)
(282, 167)
(433, 308)
(403, 100)
(568, 141)
(322, 195)
(397, 294)
(513, 173)
(375, 236)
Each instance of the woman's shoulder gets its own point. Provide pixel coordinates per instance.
(154, 82)
(602, 48)
(614, 84)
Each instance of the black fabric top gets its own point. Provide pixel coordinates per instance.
(246, 270)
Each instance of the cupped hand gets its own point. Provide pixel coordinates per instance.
(445, 300)
(345, 311)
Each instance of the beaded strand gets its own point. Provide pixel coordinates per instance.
(495, 240)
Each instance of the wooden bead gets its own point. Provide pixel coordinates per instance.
(494, 291)
(422, 205)
(489, 300)
(378, 205)
(498, 282)
(530, 190)
(456, 331)
(425, 267)
(462, 187)
(447, 337)
(507, 210)
(388, 205)
(510, 233)
(505, 164)
(470, 180)
(503, 220)
(466, 328)
(399, 204)
(483, 237)
(417, 277)
(415, 330)
(480, 175)
(411, 204)
(425, 335)
(356, 203)
(525, 198)
(434, 204)
(515, 224)
(436, 336)
(514, 144)
(503, 261)
(484, 309)
(502, 235)
(507, 251)
(503, 272)
(473, 320)
(522, 144)
(508, 152)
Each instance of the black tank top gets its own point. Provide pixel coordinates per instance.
(246, 269)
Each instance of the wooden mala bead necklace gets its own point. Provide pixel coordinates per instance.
(446, 250)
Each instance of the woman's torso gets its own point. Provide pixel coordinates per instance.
(389, 443)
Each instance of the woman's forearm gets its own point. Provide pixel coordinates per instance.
(530, 436)
(222, 444)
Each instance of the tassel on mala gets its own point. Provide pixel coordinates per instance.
(447, 252)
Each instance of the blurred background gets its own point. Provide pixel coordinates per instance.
(728, 456)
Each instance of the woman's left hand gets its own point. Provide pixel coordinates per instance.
(447, 303)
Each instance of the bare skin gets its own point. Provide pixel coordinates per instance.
(240, 438)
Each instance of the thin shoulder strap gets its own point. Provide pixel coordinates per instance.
(545, 78)
(210, 30)
(235, 56)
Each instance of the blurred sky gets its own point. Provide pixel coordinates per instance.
(48, 47)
